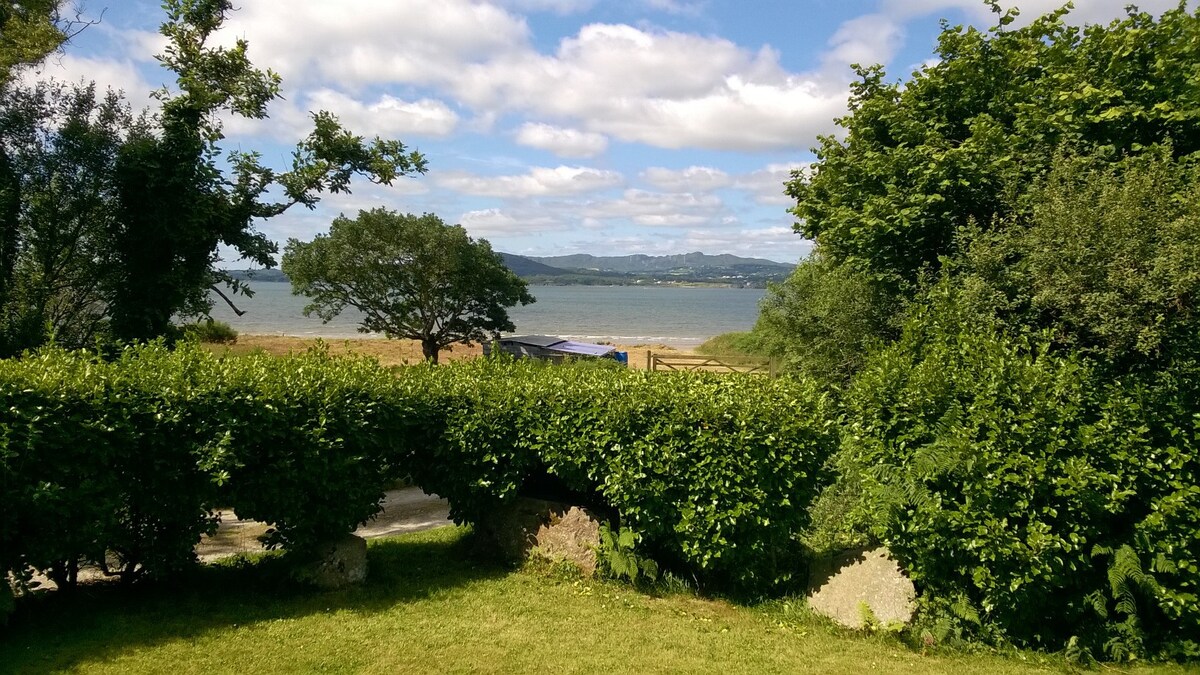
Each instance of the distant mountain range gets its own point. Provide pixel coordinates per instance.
(660, 263)
(688, 268)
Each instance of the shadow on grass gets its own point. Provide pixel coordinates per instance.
(52, 631)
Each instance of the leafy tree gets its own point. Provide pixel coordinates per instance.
(61, 142)
(411, 277)
(177, 205)
(824, 319)
(1108, 260)
(964, 137)
(29, 31)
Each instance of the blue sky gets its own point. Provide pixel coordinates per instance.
(562, 126)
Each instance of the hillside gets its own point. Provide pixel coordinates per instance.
(689, 268)
(660, 263)
(528, 267)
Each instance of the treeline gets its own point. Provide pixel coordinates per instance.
(1004, 296)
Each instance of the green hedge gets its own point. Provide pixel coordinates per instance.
(100, 458)
(1037, 499)
(714, 472)
(131, 456)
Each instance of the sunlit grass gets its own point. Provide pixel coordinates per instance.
(431, 607)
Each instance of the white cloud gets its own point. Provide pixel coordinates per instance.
(662, 88)
(386, 116)
(560, 141)
(538, 182)
(562, 7)
(656, 208)
(357, 42)
(675, 6)
(117, 74)
(865, 40)
(691, 179)
(492, 222)
(766, 184)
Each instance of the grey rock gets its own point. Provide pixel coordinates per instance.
(340, 564)
(557, 531)
(841, 586)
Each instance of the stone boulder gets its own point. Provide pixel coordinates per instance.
(841, 585)
(338, 564)
(558, 531)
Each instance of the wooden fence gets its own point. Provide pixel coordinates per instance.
(712, 364)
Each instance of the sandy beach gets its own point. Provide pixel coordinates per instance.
(397, 352)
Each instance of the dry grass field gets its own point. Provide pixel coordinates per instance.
(394, 352)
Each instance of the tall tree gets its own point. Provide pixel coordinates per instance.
(62, 142)
(29, 31)
(177, 205)
(963, 138)
(410, 276)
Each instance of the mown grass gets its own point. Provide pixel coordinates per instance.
(430, 606)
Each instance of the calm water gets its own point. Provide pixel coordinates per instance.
(630, 314)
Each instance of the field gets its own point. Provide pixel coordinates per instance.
(430, 606)
(395, 352)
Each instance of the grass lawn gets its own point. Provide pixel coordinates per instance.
(430, 607)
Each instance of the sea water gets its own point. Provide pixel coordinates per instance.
(681, 316)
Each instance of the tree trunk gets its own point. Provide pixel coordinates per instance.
(429, 349)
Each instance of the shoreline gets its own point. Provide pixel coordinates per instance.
(402, 352)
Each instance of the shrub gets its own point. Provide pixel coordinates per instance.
(311, 442)
(712, 472)
(732, 344)
(102, 461)
(126, 460)
(825, 320)
(211, 330)
(1057, 504)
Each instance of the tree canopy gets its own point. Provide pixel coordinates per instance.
(967, 158)
(964, 137)
(410, 276)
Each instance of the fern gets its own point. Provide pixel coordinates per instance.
(1127, 580)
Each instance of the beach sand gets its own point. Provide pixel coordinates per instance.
(396, 352)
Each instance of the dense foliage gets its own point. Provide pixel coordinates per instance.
(957, 142)
(1004, 295)
(59, 147)
(410, 276)
(713, 473)
(128, 458)
(125, 460)
(1053, 503)
(959, 146)
(824, 320)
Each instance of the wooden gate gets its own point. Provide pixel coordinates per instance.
(712, 364)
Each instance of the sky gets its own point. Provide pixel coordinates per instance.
(553, 127)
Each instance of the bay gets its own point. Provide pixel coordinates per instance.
(681, 316)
